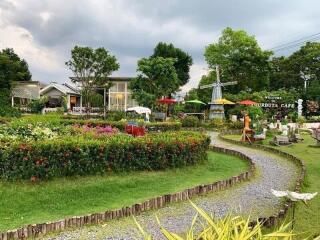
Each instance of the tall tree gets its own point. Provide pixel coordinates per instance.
(157, 77)
(12, 69)
(182, 63)
(281, 74)
(240, 59)
(91, 67)
(305, 65)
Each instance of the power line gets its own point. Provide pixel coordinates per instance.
(298, 42)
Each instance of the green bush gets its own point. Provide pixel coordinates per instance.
(82, 156)
(151, 126)
(190, 121)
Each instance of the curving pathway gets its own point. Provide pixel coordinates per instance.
(251, 197)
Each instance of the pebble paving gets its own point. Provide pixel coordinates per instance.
(249, 198)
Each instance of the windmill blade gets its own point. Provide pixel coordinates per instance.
(229, 83)
(207, 86)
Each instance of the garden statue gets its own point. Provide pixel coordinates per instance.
(300, 101)
(246, 130)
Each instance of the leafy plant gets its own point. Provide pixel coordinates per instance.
(229, 227)
(190, 121)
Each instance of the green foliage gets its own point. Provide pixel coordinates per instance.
(205, 94)
(36, 106)
(5, 105)
(182, 63)
(229, 227)
(67, 156)
(157, 77)
(91, 67)
(12, 69)
(241, 59)
(115, 115)
(190, 121)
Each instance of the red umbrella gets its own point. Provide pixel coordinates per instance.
(247, 102)
(167, 101)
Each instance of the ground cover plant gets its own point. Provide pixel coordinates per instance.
(24, 202)
(307, 218)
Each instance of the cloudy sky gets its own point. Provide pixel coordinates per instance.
(44, 31)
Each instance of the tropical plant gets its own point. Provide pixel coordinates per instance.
(227, 228)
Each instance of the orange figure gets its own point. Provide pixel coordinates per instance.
(246, 130)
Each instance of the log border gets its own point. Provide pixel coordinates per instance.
(36, 230)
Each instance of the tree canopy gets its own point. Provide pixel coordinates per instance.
(12, 69)
(157, 77)
(182, 62)
(240, 59)
(92, 66)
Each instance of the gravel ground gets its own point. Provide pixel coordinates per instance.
(252, 197)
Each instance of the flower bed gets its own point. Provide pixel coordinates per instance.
(151, 126)
(86, 154)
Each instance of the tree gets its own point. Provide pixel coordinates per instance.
(157, 77)
(91, 67)
(12, 69)
(182, 63)
(240, 59)
(305, 65)
(281, 75)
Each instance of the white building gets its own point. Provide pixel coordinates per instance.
(56, 92)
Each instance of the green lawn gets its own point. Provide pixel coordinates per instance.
(24, 203)
(307, 218)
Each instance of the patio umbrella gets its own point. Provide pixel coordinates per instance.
(247, 102)
(196, 101)
(167, 101)
(223, 101)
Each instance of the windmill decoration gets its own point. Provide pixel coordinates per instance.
(217, 110)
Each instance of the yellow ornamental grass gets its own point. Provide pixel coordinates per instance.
(228, 228)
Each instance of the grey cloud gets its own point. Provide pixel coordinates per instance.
(131, 28)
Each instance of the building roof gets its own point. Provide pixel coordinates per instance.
(64, 88)
(26, 89)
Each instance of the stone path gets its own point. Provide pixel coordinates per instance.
(251, 197)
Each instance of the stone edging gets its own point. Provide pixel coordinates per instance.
(36, 230)
(272, 220)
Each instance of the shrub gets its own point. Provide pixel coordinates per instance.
(82, 156)
(190, 121)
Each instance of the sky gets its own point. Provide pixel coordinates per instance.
(43, 32)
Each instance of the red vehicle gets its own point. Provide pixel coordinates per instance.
(135, 130)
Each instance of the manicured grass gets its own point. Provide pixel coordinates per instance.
(307, 218)
(25, 203)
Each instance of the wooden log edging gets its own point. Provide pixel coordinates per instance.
(274, 219)
(36, 230)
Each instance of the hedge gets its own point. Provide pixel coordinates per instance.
(79, 156)
(151, 126)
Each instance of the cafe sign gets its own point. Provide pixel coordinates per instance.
(273, 102)
(276, 105)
